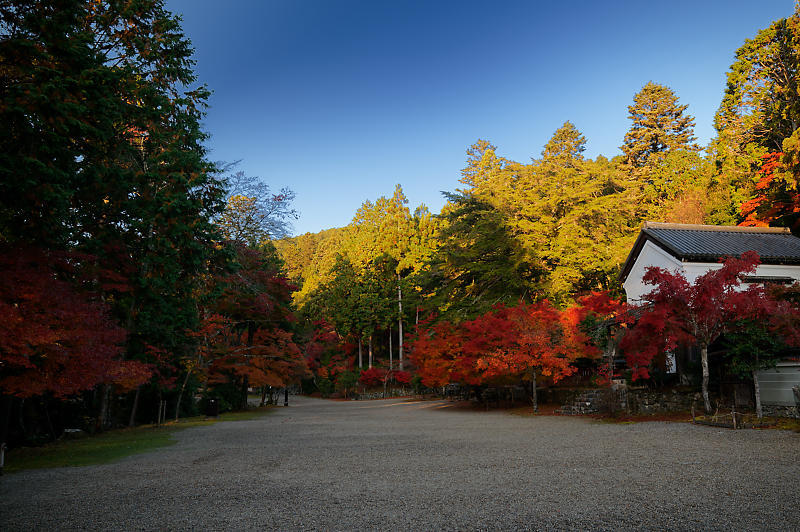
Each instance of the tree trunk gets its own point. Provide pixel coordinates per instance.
(360, 359)
(391, 357)
(180, 394)
(610, 353)
(22, 416)
(45, 404)
(102, 419)
(132, 419)
(245, 386)
(534, 400)
(5, 420)
(400, 323)
(370, 351)
(757, 389)
(704, 362)
(263, 396)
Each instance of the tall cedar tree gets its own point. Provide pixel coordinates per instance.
(659, 125)
(102, 152)
(479, 263)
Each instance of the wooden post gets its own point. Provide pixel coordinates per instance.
(132, 420)
(400, 323)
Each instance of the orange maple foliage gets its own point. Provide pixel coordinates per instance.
(543, 339)
(505, 342)
(248, 335)
(773, 201)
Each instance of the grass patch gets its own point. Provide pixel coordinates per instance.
(628, 419)
(112, 445)
(751, 421)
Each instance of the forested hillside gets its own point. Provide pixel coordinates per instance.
(553, 228)
(559, 227)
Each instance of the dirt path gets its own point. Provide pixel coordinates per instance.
(425, 466)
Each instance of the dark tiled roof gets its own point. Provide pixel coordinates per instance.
(710, 243)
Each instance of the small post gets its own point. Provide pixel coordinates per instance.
(162, 413)
(286, 396)
(2, 457)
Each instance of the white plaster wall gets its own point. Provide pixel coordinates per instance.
(693, 270)
(776, 384)
(651, 255)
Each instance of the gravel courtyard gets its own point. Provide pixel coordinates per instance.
(322, 465)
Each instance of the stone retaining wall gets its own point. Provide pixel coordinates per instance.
(781, 411)
(393, 392)
(653, 402)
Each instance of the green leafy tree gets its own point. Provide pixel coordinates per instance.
(752, 346)
(346, 381)
(761, 103)
(573, 215)
(757, 125)
(482, 162)
(676, 189)
(310, 258)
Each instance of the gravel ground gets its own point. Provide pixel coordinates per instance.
(424, 466)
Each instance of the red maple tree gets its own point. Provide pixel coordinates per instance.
(504, 343)
(541, 340)
(678, 312)
(55, 338)
(372, 377)
(325, 353)
(434, 350)
(248, 331)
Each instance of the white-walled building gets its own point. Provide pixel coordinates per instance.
(695, 249)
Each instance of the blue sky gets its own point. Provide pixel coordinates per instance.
(340, 100)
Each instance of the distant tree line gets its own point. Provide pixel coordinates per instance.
(558, 228)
